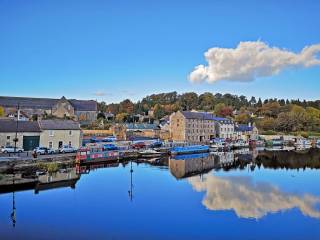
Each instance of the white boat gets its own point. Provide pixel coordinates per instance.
(302, 143)
(150, 153)
(240, 144)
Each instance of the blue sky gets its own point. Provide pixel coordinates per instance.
(129, 49)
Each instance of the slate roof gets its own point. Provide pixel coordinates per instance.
(197, 115)
(45, 103)
(243, 128)
(57, 124)
(23, 126)
(204, 116)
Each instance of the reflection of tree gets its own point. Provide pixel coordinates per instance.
(249, 199)
(290, 160)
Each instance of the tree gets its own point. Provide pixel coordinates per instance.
(243, 118)
(222, 110)
(189, 101)
(121, 117)
(101, 115)
(126, 106)
(206, 101)
(253, 101)
(1, 111)
(158, 111)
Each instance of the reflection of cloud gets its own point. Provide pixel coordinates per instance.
(249, 199)
(250, 60)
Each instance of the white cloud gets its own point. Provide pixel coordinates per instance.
(249, 199)
(250, 60)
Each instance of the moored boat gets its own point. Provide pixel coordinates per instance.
(189, 149)
(150, 153)
(93, 154)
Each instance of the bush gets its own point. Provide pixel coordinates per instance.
(269, 132)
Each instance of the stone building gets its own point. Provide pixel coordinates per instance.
(84, 111)
(56, 133)
(28, 134)
(224, 127)
(246, 132)
(192, 126)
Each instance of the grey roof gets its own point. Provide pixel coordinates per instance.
(57, 124)
(243, 128)
(46, 103)
(23, 126)
(197, 115)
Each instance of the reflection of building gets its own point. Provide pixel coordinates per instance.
(65, 178)
(187, 165)
(192, 126)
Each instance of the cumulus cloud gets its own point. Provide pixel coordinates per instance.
(249, 199)
(250, 60)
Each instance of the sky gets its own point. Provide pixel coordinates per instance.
(112, 50)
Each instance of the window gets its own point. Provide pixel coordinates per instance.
(8, 137)
(50, 144)
(51, 133)
(70, 133)
(70, 144)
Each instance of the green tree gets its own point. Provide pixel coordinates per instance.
(122, 117)
(1, 111)
(158, 111)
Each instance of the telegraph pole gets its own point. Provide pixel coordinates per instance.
(17, 125)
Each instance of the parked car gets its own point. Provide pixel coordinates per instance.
(138, 145)
(156, 144)
(10, 149)
(109, 139)
(110, 147)
(67, 149)
(44, 150)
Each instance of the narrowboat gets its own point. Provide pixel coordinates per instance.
(189, 149)
(93, 154)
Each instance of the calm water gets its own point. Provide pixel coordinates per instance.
(226, 196)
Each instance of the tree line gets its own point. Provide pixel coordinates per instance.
(270, 114)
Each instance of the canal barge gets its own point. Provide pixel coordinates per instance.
(94, 154)
(189, 149)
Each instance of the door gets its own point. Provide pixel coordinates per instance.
(30, 142)
(60, 144)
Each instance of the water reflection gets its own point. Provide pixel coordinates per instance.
(250, 200)
(240, 193)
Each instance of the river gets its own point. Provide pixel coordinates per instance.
(234, 195)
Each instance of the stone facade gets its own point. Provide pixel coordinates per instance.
(192, 126)
(56, 133)
(224, 128)
(57, 138)
(84, 111)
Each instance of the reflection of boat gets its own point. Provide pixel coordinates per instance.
(240, 144)
(92, 154)
(279, 148)
(302, 143)
(149, 153)
(219, 144)
(189, 149)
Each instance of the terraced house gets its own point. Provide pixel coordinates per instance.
(84, 111)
